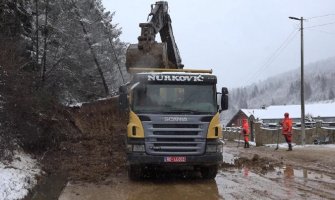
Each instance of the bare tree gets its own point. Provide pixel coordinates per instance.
(91, 49)
(45, 32)
(37, 33)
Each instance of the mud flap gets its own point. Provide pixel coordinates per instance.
(135, 172)
(209, 172)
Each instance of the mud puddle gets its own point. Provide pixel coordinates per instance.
(144, 190)
(49, 187)
(281, 183)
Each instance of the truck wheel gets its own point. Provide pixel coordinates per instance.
(209, 172)
(135, 172)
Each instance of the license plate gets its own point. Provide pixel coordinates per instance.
(175, 159)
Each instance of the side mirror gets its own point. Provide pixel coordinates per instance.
(224, 91)
(218, 97)
(123, 98)
(224, 99)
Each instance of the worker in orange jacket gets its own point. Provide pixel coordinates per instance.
(245, 132)
(286, 124)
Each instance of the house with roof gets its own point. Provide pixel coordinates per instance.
(324, 112)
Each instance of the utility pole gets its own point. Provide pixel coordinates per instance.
(303, 135)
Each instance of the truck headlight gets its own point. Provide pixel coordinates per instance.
(129, 147)
(138, 148)
(211, 148)
(220, 147)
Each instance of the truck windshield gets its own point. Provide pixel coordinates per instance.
(160, 98)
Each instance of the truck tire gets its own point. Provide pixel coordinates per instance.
(209, 172)
(134, 172)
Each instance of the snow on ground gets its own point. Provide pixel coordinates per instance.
(242, 142)
(18, 177)
(79, 104)
(75, 104)
(285, 146)
(280, 145)
(315, 146)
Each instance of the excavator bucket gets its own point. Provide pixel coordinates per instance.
(155, 57)
(150, 54)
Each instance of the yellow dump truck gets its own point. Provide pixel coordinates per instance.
(173, 112)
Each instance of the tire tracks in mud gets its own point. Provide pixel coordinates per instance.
(305, 174)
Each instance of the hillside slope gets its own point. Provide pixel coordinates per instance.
(285, 89)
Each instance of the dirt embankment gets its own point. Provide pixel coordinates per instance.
(95, 148)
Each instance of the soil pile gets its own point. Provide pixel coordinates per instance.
(95, 148)
(257, 163)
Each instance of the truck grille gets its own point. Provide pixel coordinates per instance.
(175, 139)
(174, 133)
(175, 126)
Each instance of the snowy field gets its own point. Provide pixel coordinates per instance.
(18, 177)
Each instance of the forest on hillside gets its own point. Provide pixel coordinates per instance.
(52, 53)
(284, 89)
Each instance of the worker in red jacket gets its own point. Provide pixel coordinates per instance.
(245, 132)
(286, 124)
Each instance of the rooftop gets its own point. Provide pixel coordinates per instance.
(277, 112)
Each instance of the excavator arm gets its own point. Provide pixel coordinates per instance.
(150, 54)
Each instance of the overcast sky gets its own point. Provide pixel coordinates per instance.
(242, 41)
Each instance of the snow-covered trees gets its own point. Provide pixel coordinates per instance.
(53, 51)
(84, 52)
(14, 19)
(74, 45)
(16, 69)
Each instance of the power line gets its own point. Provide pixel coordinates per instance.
(274, 55)
(327, 15)
(322, 31)
(320, 25)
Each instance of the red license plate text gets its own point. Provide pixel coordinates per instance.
(175, 159)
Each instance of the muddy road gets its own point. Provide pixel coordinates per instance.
(285, 183)
(255, 173)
